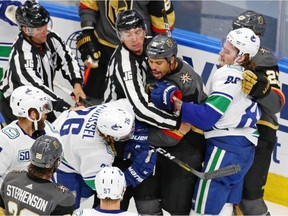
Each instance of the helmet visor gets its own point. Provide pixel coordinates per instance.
(43, 30)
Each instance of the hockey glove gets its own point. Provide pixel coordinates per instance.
(138, 142)
(141, 168)
(256, 86)
(162, 95)
(87, 45)
(8, 10)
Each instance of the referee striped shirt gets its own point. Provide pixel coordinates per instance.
(126, 78)
(29, 65)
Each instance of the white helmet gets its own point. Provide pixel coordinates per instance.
(117, 123)
(24, 98)
(110, 183)
(245, 40)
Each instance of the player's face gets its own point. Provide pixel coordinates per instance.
(134, 39)
(227, 54)
(160, 67)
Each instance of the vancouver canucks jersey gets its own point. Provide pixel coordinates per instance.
(237, 113)
(15, 145)
(102, 212)
(85, 152)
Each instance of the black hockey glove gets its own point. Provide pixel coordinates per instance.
(87, 45)
(256, 86)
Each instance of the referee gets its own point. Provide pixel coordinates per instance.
(128, 71)
(36, 56)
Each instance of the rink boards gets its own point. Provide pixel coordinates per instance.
(198, 50)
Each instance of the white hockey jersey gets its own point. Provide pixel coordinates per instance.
(242, 113)
(15, 145)
(227, 111)
(101, 212)
(85, 152)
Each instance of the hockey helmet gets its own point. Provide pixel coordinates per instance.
(162, 46)
(250, 19)
(245, 40)
(45, 151)
(129, 19)
(32, 15)
(110, 183)
(24, 98)
(116, 123)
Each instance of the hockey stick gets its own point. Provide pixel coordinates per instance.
(87, 72)
(166, 23)
(225, 171)
(85, 102)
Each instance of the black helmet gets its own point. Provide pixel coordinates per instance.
(32, 15)
(45, 151)
(162, 46)
(129, 19)
(250, 19)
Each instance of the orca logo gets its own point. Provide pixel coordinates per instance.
(253, 38)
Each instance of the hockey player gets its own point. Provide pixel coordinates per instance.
(31, 106)
(128, 71)
(90, 138)
(99, 39)
(170, 181)
(265, 73)
(128, 74)
(35, 57)
(110, 187)
(32, 192)
(230, 137)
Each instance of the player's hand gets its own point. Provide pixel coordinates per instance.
(138, 142)
(256, 86)
(141, 168)
(78, 93)
(8, 10)
(87, 45)
(162, 95)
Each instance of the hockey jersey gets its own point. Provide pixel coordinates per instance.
(29, 65)
(266, 64)
(102, 212)
(23, 194)
(102, 15)
(15, 145)
(228, 110)
(85, 151)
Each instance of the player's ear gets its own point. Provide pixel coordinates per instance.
(240, 59)
(33, 114)
(173, 59)
(27, 31)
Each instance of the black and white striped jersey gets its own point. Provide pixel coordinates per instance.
(126, 78)
(29, 65)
